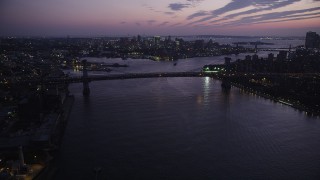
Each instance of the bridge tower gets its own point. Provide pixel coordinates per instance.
(226, 84)
(86, 88)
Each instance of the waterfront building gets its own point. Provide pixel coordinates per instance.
(270, 57)
(282, 55)
(312, 40)
(248, 58)
(217, 68)
(255, 57)
(291, 55)
(227, 61)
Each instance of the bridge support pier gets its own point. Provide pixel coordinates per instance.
(86, 88)
(226, 84)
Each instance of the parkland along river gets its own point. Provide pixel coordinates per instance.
(183, 128)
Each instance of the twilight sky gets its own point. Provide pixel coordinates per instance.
(158, 17)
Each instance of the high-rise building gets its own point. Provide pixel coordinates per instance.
(227, 61)
(156, 40)
(312, 40)
(282, 55)
(270, 57)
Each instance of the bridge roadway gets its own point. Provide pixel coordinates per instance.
(80, 79)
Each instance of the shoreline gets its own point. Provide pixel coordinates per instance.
(48, 170)
(290, 103)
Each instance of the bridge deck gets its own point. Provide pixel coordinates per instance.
(79, 79)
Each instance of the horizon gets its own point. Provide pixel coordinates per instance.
(121, 18)
(150, 36)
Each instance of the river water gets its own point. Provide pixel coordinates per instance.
(184, 128)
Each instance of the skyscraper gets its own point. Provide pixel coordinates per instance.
(312, 40)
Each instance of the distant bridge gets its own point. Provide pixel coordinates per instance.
(276, 49)
(81, 79)
(85, 79)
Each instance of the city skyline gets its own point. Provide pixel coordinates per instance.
(168, 17)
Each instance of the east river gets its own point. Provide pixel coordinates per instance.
(184, 128)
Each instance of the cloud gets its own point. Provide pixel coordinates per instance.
(302, 17)
(265, 7)
(164, 23)
(291, 19)
(178, 6)
(275, 17)
(151, 22)
(275, 5)
(233, 5)
(197, 14)
(123, 22)
(169, 13)
(150, 8)
(280, 17)
(260, 6)
(195, 1)
(138, 24)
(203, 19)
(177, 24)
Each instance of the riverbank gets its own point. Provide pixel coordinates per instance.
(292, 103)
(48, 170)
